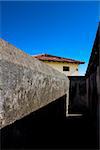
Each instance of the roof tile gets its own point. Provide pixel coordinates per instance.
(46, 57)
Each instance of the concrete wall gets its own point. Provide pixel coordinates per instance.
(77, 95)
(26, 84)
(59, 66)
(92, 92)
(93, 76)
(85, 91)
(40, 128)
(93, 84)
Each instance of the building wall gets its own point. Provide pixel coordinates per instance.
(59, 67)
(92, 93)
(40, 128)
(26, 84)
(93, 77)
(84, 91)
(77, 95)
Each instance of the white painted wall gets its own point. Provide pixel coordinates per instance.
(59, 67)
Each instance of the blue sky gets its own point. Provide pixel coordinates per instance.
(63, 28)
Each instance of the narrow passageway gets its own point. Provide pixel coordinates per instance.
(49, 128)
(81, 132)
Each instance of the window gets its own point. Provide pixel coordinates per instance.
(65, 68)
(76, 69)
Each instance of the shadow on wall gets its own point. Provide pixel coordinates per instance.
(36, 129)
(78, 102)
(48, 127)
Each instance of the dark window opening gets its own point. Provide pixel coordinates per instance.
(65, 68)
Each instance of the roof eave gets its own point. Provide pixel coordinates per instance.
(63, 61)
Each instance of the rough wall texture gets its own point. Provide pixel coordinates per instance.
(78, 102)
(93, 77)
(26, 84)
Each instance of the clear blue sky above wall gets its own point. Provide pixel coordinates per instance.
(65, 29)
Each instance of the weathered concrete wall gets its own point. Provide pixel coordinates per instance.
(78, 102)
(85, 91)
(92, 93)
(44, 126)
(26, 84)
(93, 77)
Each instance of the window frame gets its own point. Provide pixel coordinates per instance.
(66, 68)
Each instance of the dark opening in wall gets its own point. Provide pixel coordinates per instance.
(66, 68)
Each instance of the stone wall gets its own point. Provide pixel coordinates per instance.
(26, 84)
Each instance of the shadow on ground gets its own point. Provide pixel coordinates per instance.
(49, 128)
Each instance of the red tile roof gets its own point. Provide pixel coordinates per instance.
(46, 57)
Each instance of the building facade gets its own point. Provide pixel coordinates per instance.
(67, 66)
